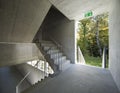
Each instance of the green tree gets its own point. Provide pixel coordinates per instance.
(93, 34)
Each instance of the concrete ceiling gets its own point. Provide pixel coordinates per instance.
(75, 9)
(21, 19)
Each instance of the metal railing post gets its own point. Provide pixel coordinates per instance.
(17, 87)
(104, 58)
(60, 48)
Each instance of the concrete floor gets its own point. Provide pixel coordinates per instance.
(76, 79)
(9, 78)
(80, 79)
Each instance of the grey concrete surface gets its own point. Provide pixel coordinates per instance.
(21, 19)
(16, 53)
(62, 30)
(75, 9)
(80, 79)
(35, 74)
(114, 42)
(64, 33)
(9, 78)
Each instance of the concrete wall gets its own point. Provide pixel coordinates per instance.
(21, 19)
(16, 53)
(19, 22)
(64, 34)
(61, 30)
(114, 41)
(35, 75)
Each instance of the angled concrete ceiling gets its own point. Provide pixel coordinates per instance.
(75, 9)
(21, 19)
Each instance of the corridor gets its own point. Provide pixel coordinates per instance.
(79, 79)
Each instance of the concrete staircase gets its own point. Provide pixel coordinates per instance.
(54, 56)
(77, 79)
(37, 85)
(56, 59)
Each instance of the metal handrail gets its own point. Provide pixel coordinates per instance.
(17, 90)
(80, 56)
(59, 47)
(17, 87)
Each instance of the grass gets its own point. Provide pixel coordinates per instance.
(94, 61)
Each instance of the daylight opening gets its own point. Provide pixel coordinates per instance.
(42, 66)
(93, 40)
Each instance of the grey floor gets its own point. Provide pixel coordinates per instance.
(9, 78)
(76, 79)
(80, 79)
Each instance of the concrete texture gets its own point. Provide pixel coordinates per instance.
(19, 22)
(64, 33)
(35, 74)
(114, 42)
(9, 78)
(16, 53)
(55, 57)
(75, 9)
(62, 30)
(21, 19)
(80, 79)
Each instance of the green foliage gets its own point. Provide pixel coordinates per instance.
(87, 32)
(95, 61)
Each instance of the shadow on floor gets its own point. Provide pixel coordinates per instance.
(9, 78)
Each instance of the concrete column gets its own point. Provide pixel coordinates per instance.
(114, 41)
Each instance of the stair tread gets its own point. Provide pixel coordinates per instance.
(47, 47)
(53, 54)
(53, 51)
(44, 41)
(65, 65)
(62, 58)
(40, 84)
(47, 44)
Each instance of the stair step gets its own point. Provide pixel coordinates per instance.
(45, 41)
(47, 47)
(65, 65)
(42, 83)
(51, 51)
(55, 55)
(47, 44)
(60, 60)
(35, 87)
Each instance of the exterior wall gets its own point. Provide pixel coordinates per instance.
(16, 53)
(35, 75)
(21, 19)
(114, 42)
